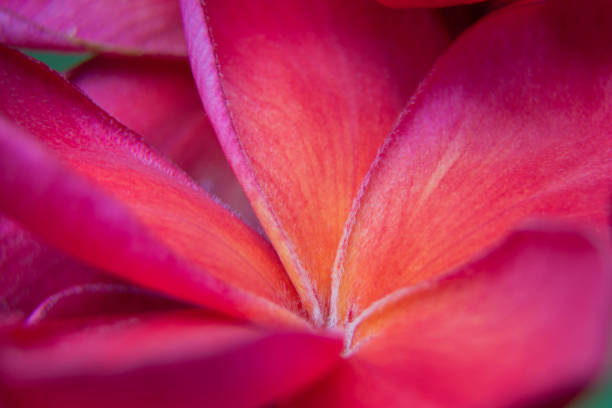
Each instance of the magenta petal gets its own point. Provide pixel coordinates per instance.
(135, 26)
(157, 98)
(91, 188)
(177, 359)
(526, 325)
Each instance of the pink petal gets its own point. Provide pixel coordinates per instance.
(169, 360)
(301, 95)
(527, 325)
(90, 187)
(158, 99)
(514, 122)
(135, 26)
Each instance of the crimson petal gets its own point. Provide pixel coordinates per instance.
(180, 359)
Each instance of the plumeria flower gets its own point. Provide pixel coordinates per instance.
(432, 213)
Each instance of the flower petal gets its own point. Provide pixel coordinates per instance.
(92, 300)
(39, 282)
(31, 271)
(137, 26)
(110, 200)
(301, 95)
(426, 3)
(168, 360)
(528, 324)
(158, 99)
(515, 121)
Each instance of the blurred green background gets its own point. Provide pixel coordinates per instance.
(600, 396)
(59, 62)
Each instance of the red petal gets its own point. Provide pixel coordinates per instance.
(158, 99)
(526, 325)
(113, 202)
(301, 95)
(515, 121)
(426, 3)
(172, 360)
(136, 26)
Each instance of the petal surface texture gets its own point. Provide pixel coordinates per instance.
(515, 121)
(31, 271)
(426, 3)
(526, 325)
(136, 26)
(301, 95)
(157, 98)
(38, 282)
(112, 201)
(166, 360)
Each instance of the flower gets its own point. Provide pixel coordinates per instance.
(451, 251)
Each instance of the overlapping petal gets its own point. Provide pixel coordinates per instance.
(135, 27)
(426, 3)
(38, 282)
(112, 201)
(31, 271)
(157, 98)
(97, 299)
(526, 325)
(515, 121)
(180, 359)
(301, 95)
